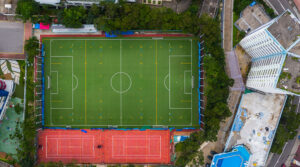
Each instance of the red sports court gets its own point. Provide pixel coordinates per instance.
(105, 146)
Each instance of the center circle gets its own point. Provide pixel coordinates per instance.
(120, 82)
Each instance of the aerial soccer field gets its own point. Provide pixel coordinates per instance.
(121, 82)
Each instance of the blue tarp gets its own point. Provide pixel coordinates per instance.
(238, 123)
(84, 131)
(37, 26)
(253, 3)
(110, 35)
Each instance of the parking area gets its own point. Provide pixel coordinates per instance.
(13, 36)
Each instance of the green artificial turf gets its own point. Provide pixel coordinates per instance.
(123, 82)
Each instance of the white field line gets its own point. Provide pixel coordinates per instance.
(185, 92)
(170, 106)
(64, 108)
(50, 85)
(120, 78)
(57, 92)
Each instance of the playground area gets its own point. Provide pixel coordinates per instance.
(7, 128)
(135, 82)
(104, 146)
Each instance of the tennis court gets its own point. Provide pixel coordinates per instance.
(120, 82)
(109, 146)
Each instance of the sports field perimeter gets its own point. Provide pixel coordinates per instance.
(121, 82)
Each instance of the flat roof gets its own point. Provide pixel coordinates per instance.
(289, 78)
(255, 125)
(252, 17)
(285, 29)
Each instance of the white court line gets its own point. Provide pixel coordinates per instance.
(57, 91)
(120, 138)
(82, 138)
(46, 147)
(57, 147)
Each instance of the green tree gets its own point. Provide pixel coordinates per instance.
(26, 9)
(288, 125)
(18, 109)
(31, 47)
(74, 17)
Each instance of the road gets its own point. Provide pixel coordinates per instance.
(281, 5)
(278, 160)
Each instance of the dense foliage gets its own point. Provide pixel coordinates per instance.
(74, 17)
(26, 9)
(32, 48)
(26, 132)
(188, 149)
(142, 17)
(217, 82)
(240, 5)
(288, 125)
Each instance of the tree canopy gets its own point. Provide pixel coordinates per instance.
(31, 47)
(288, 125)
(26, 9)
(74, 17)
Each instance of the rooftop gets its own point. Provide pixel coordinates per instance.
(285, 29)
(289, 78)
(252, 17)
(255, 125)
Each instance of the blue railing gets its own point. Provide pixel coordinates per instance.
(43, 85)
(199, 82)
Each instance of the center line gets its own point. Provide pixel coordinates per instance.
(85, 62)
(156, 77)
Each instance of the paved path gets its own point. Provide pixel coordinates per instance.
(227, 25)
(289, 148)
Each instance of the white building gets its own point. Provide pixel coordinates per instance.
(255, 125)
(274, 48)
(4, 99)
